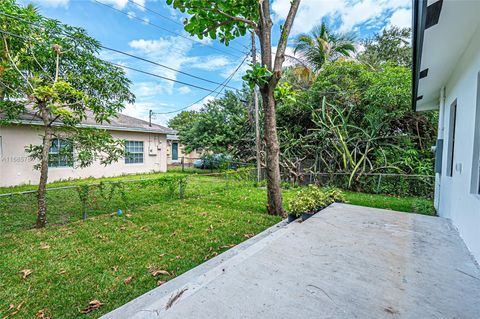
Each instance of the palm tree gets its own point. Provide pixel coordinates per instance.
(322, 45)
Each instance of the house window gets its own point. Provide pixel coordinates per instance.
(60, 154)
(133, 152)
(476, 146)
(451, 138)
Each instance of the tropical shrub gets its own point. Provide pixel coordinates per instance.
(311, 199)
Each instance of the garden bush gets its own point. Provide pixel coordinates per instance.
(311, 199)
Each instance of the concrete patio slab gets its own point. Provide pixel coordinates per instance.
(345, 262)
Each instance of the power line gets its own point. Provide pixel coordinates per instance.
(165, 29)
(121, 66)
(124, 53)
(154, 12)
(160, 76)
(232, 75)
(170, 19)
(162, 65)
(223, 85)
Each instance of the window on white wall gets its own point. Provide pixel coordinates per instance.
(60, 154)
(452, 126)
(133, 152)
(476, 146)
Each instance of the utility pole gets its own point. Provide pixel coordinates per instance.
(258, 141)
(150, 114)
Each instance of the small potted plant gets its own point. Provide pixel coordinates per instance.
(311, 200)
(302, 205)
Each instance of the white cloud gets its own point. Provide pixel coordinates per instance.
(131, 14)
(198, 106)
(119, 4)
(171, 51)
(139, 110)
(204, 41)
(211, 63)
(147, 89)
(141, 4)
(289, 56)
(402, 18)
(349, 13)
(184, 90)
(227, 72)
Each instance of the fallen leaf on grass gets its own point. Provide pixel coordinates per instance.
(42, 314)
(249, 235)
(227, 246)
(211, 255)
(160, 282)
(128, 215)
(127, 280)
(115, 268)
(123, 227)
(92, 305)
(16, 309)
(62, 271)
(44, 246)
(156, 271)
(26, 273)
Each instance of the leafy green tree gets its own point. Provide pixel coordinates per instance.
(224, 125)
(51, 69)
(183, 120)
(391, 45)
(357, 119)
(228, 20)
(323, 45)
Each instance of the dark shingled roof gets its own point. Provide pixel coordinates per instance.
(121, 122)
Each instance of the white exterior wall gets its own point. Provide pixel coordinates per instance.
(456, 200)
(188, 157)
(17, 169)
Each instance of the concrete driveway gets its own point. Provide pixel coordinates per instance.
(345, 262)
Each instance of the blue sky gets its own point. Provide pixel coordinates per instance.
(129, 30)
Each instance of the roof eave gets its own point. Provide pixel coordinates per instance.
(103, 127)
(419, 18)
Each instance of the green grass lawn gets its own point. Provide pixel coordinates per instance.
(402, 204)
(73, 262)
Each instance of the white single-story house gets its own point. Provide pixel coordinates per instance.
(446, 73)
(146, 145)
(176, 151)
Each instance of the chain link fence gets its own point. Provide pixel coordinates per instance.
(76, 202)
(302, 172)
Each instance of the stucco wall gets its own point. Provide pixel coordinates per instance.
(17, 169)
(456, 200)
(188, 157)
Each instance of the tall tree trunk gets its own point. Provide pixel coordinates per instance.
(273, 153)
(42, 185)
(270, 123)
